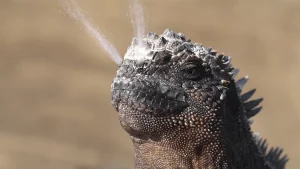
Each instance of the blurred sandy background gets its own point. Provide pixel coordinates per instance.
(55, 81)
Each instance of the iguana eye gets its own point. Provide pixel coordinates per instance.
(191, 70)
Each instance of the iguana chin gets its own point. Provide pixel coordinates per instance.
(183, 109)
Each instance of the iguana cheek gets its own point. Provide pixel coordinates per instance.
(147, 97)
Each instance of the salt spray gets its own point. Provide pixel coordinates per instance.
(75, 12)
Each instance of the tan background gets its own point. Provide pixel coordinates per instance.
(55, 81)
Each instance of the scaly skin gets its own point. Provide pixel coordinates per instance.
(182, 108)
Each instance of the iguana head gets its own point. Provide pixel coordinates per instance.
(170, 90)
(181, 106)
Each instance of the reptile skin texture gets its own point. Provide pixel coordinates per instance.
(183, 109)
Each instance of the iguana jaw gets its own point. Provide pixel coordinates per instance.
(181, 148)
(143, 105)
(153, 155)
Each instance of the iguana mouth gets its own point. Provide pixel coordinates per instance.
(144, 96)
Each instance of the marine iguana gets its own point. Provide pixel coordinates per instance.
(183, 109)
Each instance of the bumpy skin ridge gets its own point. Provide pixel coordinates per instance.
(183, 109)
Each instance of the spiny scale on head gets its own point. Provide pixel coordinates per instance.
(177, 45)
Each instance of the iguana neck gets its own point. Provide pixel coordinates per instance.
(235, 148)
(152, 155)
(240, 147)
(237, 155)
(242, 151)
